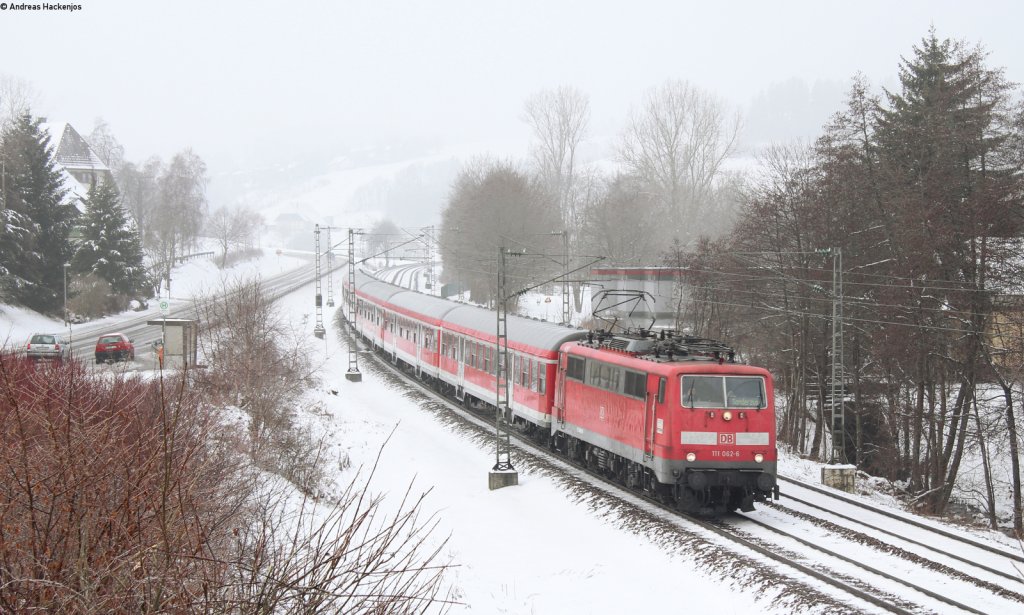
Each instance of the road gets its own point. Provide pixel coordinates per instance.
(84, 336)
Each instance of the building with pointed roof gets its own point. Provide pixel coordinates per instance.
(82, 168)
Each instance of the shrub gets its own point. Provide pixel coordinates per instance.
(261, 366)
(113, 492)
(94, 297)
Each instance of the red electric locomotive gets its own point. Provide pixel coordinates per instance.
(673, 415)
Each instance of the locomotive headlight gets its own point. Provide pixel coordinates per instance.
(758, 458)
(691, 457)
(727, 416)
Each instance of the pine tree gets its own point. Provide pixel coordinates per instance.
(953, 186)
(38, 220)
(111, 247)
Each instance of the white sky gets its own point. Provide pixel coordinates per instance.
(271, 80)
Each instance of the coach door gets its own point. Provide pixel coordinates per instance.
(460, 379)
(655, 400)
(417, 340)
(563, 360)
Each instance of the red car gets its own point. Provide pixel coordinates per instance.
(114, 347)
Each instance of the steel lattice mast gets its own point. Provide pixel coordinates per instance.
(330, 269)
(838, 385)
(431, 277)
(353, 373)
(503, 474)
(566, 306)
(318, 329)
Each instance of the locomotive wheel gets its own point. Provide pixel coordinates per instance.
(687, 500)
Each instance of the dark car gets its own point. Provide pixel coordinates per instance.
(114, 347)
(48, 346)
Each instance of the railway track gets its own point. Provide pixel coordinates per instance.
(760, 549)
(406, 276)
(911, 530)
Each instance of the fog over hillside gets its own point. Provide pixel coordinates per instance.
(294, 88)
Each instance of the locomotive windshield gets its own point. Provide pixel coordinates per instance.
(723, 392)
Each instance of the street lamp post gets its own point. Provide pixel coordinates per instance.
(66, 321)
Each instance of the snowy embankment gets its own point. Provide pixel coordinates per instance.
(524, 549)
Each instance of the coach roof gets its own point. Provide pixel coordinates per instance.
(434, 308)
(522, 332)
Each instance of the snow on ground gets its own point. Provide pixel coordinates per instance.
(202, 276)
(188, 280)
(17, 324)
(524, 549)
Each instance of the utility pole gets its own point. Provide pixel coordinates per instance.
(353, 373)
(330, 269)
(503, 474)
(838, 388)
(318, 329)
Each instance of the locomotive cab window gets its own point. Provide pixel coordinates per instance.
(745, 392)
(723, 392)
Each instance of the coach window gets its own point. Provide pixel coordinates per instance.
(533, 374)
(576, 368)
(635, 384)
(541, 367)
(615, 380)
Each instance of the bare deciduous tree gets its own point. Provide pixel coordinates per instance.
(559, 120)
(618, 222)
(495, 204)
(105, 144)
(17, 97)
(176, 222)
(677, 142)
(232, 228)
(381, 237)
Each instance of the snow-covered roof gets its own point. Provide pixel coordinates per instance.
(70, 149)
(72, 152)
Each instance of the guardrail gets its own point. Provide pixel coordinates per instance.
(187, 257)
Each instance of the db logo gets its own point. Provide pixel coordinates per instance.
(727, 438)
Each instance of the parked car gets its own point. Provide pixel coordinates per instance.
(48, 346)
(114, 347)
